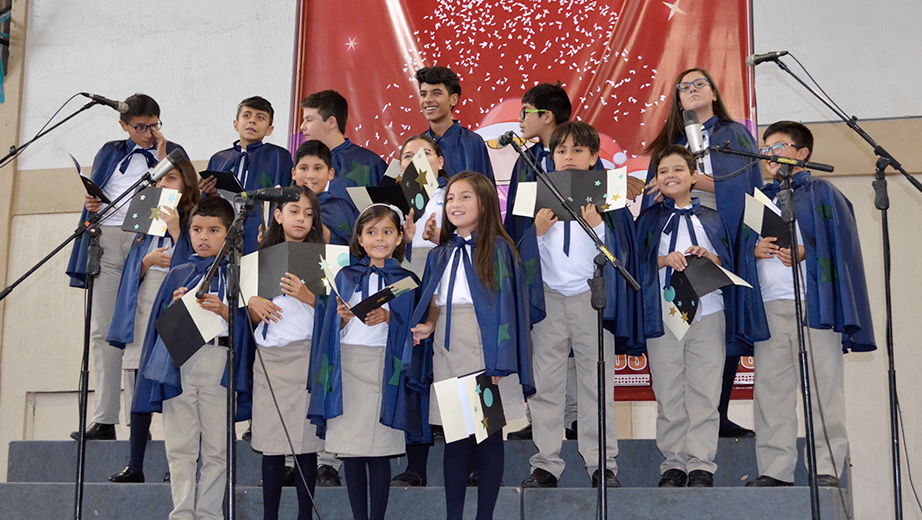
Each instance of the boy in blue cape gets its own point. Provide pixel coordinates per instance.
(324, 119)
(464, 150)
(314, 169)
(838, 317)
(255, 163)
(117, 166)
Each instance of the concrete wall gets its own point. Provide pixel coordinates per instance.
(206, 56)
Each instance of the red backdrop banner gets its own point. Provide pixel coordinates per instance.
(617, 60)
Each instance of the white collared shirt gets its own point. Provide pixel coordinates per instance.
(711, 302)
(568, 275)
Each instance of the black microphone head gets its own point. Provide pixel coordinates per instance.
(176, 156)
(506, 139)
(690, 117)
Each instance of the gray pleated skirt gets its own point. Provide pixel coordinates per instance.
(464, 354)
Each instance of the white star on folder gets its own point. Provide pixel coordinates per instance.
(673, 8)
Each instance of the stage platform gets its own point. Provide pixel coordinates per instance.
(41, 475)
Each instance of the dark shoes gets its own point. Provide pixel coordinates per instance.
(522, 435)
(408, 479)
(827, 481)
(166, 477)
(540, 478)
(570, 433)
(327, 476)
(127, 476)
(700, 479)
(731, 430)
(673, 478)
(288, 479)
(97, 432)
(611, 481)
(766, 481)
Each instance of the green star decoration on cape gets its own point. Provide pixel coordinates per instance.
(503, 333)
(828, 271)
(395, 378)
(360, 174)
(325, 375)
(648, 240)
(502, 272)
(345, 227)
(265, 181)
(530, 270)
(825, 210)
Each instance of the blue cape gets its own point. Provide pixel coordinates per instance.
(158, 377)
(107, 159)
(650, 226)
(121, 330)
(837, 292)
(339, 215)
(355, 166)
(268, 165)
(730, 192)
(400, 406)
(463, 150)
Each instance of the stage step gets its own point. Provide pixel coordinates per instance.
(152, 502)
(41, 475)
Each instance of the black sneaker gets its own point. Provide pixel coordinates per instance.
(673, 478)
(327, 476)
(766, 481)
(408, 479)
(611, 481)
(699, 478)
(540, 478)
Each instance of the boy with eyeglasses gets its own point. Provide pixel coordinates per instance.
(117, 166)
(833, 287)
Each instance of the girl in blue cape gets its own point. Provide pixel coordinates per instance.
(359, 397)
(147, 264)
(474, 281)
(283, 339)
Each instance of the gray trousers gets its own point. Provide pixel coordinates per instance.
(777, 379)
(570, 322)
(687, 375)
(107, 360)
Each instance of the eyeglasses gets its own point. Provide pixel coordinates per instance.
(699, 84)
(142, 129)
(777, 148)
(408, 156)
(526, 111)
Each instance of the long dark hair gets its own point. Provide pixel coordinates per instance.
(191, 195)
(674, 128)
(369, 216)
(276, 235)
(489, 225)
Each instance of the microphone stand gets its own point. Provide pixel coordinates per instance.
(789, 217)
(597, 288)
(882, 202)
(233, 244)
(90, 227)
(15, 150)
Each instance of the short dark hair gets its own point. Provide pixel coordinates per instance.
(674, 149)
(436, 75)
(583, 134)
(314, 148)
(215, 206)
(800, 134)
(550, 97)
(369, 216)
(140, 105)
(329, 103)
(257, 103)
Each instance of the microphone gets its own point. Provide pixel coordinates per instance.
(694, 135)
(756, 59)
(166, 165)
(505, 139)
(289, 194)
(119, 106)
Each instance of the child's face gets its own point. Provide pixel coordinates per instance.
(379, 239)
(314, 127)
(410, 150)
(674, 178)
(312, 172)
(252, 125)
(207, 234)
(788, 151)
(462, 207)
(534, 123)
(296, 219)
(172, 180)
(694, 98)
(569, 156)
(435, 102)
(143, 139)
